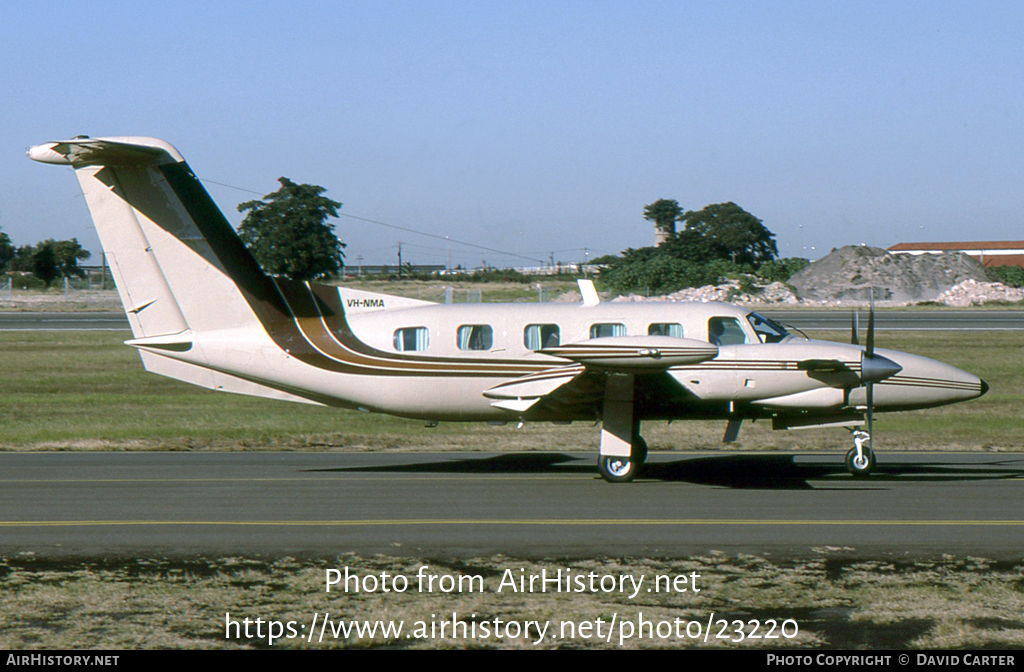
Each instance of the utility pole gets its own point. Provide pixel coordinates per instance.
(399, 260)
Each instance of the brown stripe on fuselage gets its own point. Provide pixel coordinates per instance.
(320, 319)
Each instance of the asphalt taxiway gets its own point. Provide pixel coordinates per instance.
(521, 504)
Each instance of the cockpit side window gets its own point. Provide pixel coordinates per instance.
(768, 331)
(726, 331)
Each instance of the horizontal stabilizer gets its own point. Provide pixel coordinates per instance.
(172, 343)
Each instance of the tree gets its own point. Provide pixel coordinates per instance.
(664, 213)
(68, 253)
(44, 262)
(732, 233)
(49, 259)
(288, 234)
(7, 251)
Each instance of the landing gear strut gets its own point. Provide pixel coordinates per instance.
(860, 461)
(623, 450)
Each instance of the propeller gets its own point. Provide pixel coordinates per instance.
(873, 368)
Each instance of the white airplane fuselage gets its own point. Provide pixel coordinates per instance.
(443, 382)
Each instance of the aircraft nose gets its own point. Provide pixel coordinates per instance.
(926, 382)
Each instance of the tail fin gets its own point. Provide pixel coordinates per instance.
(177, 262)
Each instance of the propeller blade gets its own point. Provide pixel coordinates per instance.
(870, 346)
(854, 328)
(871, 414)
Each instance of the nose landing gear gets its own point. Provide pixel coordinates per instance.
(860, 461)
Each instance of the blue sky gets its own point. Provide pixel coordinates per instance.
(538, 127)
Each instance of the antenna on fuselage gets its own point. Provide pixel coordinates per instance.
(589, 292)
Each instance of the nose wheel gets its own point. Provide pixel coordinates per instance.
(860, 461)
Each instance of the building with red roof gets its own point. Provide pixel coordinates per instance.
(989, 253)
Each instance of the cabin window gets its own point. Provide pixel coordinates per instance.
(606, 330)
(673, 329)
(475, 337)
(769, 331)
(411, 338)
(726, 331)
(538, 336)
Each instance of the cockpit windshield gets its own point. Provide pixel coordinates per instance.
(768, 331)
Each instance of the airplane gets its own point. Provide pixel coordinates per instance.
(203, 311)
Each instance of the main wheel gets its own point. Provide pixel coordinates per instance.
(860, 466)
(618, 469)
(639, 452)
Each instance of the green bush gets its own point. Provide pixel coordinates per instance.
(781, 270)
(27, 281)
(1012, 276)
(660, 275)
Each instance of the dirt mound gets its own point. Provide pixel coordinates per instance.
(853, 272)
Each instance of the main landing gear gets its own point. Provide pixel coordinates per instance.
(860, 461)
(616, 469)
(623, 450)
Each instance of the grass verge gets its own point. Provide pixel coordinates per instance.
(830, 601)
(86, 390)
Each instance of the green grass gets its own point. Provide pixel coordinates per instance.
(80, 390)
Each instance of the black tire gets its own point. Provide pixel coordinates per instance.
(639, 452)
(618, 469)
(860, 467)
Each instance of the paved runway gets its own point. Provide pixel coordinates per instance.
(525, 504)
(97, 321)
(956, 320)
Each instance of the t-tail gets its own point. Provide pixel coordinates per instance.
(180, 268)
(177, 262)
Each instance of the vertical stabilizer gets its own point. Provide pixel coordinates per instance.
(176, 260)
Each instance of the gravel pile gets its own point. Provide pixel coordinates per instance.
(973, 293)
(855, 272)
(966, 293)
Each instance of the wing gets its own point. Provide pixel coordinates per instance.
(578, 389)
